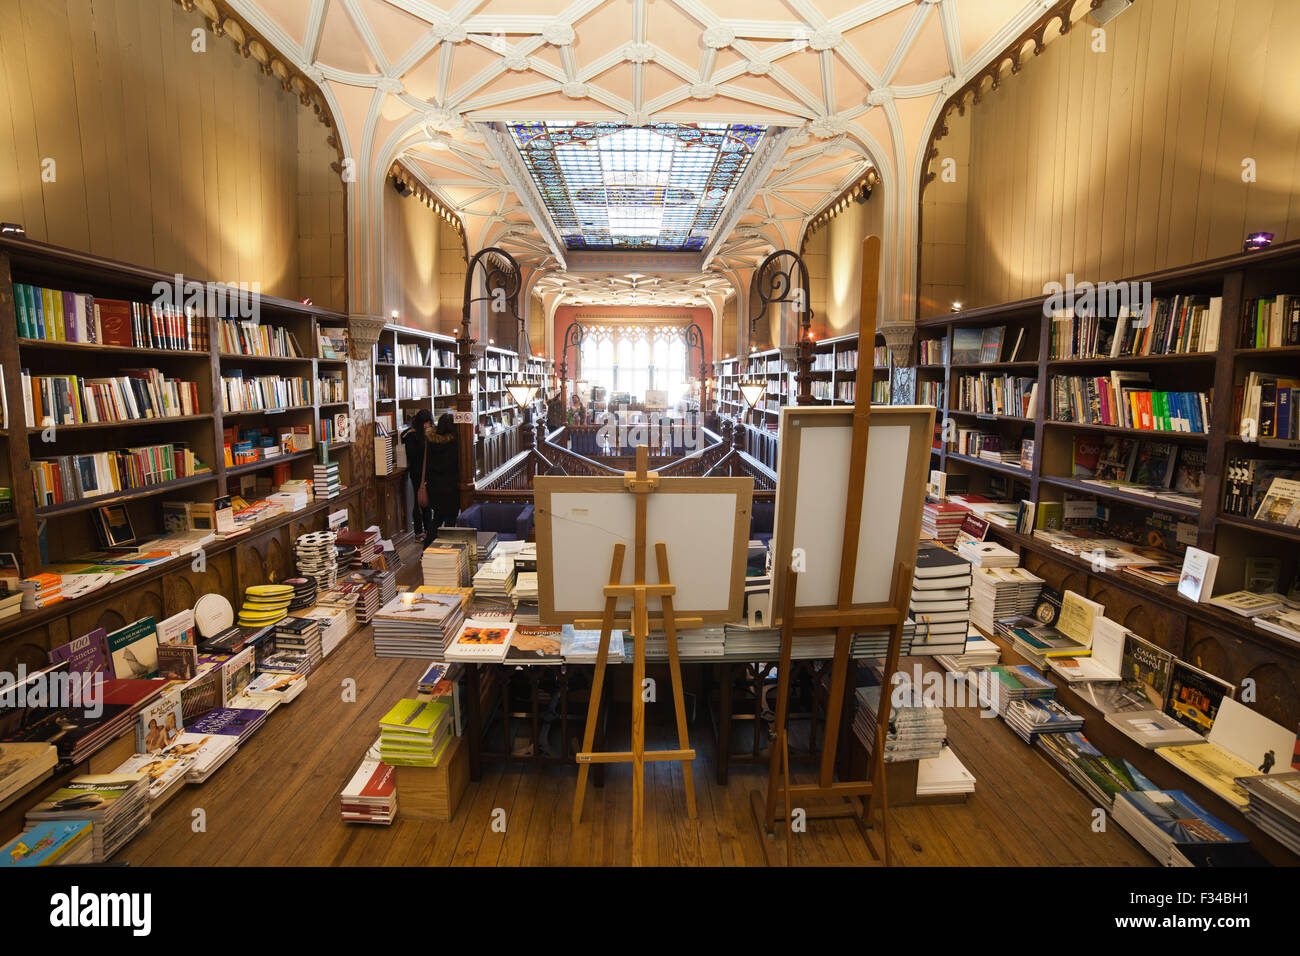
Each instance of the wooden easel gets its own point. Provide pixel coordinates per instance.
(640, 483)
(845, 797)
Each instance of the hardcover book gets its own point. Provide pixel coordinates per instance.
(1195, 696)
(87, 654)
(135, 650)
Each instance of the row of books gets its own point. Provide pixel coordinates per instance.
(75, 477)
(1247, 482)
(410, 389)
(58, 316)
(407, 354)
(134, 394)
(1271, 321)
(987, 394)
(1138, 465)
(982, 346)
(1268, 406)
(1109, 400)
(242, 393)
(1165, 326)
(932, 351)
(248, 337)
(930, 393)
(331, 388)
(989, 446)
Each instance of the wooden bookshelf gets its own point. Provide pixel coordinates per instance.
(1213, 639)
(45, 534)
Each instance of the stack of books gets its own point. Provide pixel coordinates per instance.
(365, 545)
(366, 592)
(63, 842)
(24, 765)
(943, 775)
(166, 774)
(297, 646)
(1099, 776)
(238, 723)
(371, 795)
(206, 753)
(41, 590)
(415, 733)
(418, 624)
(987, 554)
(692, 644)
(325, 480)
(582, 647)
(980, 652)
(524, 597)
(1001, 593)
(942, 520)
(446, 564)
(1044, 715)
(915, 731)
(116, 805)
(11, 603)
(495, 579)
(940, 604)
(482, 641)
(1177, 831)
(1001, 685)
(335, 613)
(1274, 806)
(277, 688)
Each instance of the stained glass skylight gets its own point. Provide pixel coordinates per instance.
(657, 187)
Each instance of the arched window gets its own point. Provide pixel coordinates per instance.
(632, 360)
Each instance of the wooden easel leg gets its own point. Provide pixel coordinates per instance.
(640, 630)
(782, 699)
(598, 681)
(835, 705)
(675, 671)
(789, 810)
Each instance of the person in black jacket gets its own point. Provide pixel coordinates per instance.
(442, 474)
(413, 439)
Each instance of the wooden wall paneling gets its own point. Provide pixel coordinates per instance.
(124, 58)
(22, 114)
(183, 588)
(90, 120)
(120, 609)
(31, 648)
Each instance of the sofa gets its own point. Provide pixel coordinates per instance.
(510, 520)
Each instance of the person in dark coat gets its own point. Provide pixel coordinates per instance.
(442, 474)
(413, 439)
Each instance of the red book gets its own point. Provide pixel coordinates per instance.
(115, 321)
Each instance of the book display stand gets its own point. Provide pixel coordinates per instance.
(859, 580)
(575, 513)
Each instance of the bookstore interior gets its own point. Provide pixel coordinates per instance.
(380, 379)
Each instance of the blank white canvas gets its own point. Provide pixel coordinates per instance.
(698, 530)
(819, 518)
(1241, 731)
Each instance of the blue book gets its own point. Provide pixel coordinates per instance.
(44, 843)
(1180, 817)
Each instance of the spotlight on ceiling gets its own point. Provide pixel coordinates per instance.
(1257, 241)
(1108, 10)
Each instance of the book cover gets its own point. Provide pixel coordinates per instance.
(535, 644)
(1145, 668)
(1195, 696)
(237, 722)
(1154, 464)
(134, 649)
(1196, 582)
(159, 724)
(44, 843)
(87, 654)
(178, 661)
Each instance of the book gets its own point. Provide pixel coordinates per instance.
(1241, 744)
(46, 844)
(1152, 728)
(134, 650)
(481, 641)
(1196, 582)
(1167, 821)
(87, 654)
(1195, 696)
(159, 724)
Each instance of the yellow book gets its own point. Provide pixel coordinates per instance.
(1213, 767)
(415, 716)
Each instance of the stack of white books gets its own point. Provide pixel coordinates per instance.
(1002, 592)
(495, 579)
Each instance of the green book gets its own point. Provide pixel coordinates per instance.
(415, 716)
(20, 309)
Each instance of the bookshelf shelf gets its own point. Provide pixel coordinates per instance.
(145, 491)
(1261, 527)
(986, 416)
(993, 366)
(235, 357)
(249, 412)
(1015, 470)
(1147, 433)
(90, 348)
(1118, 494)
(128, 423)
(1183, 358)
(267, 462)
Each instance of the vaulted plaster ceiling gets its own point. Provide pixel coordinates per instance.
(844, 84)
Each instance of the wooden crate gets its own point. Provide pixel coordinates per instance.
(433, 793)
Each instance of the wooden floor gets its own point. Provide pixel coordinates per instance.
(276, 802)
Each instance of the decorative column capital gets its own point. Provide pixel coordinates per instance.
(364, 330)
(899, 339)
